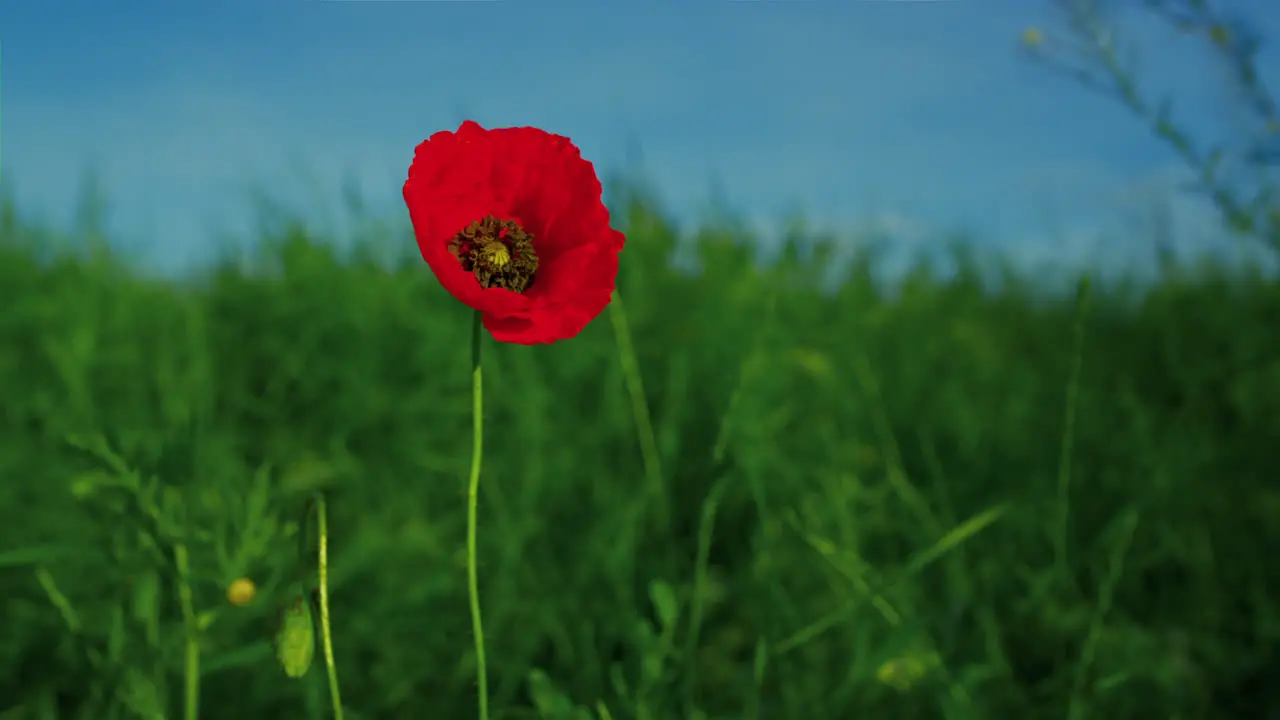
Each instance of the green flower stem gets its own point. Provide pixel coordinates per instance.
(473, 491)
(649, 454)
(326, 634)
(191, 660)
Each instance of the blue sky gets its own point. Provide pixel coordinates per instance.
(908, 118)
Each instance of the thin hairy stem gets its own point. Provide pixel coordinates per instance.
(326, 634)
(639, 406)
(191, 664)
(473, 491)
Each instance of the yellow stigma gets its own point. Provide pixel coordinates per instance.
(1032, 37)
(241, 591)
(499, 252)
(495, 254)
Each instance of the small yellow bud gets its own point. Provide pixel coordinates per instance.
(1032, 37)
(241, 591)
(903, 673)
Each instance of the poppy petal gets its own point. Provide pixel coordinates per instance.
(542, 183)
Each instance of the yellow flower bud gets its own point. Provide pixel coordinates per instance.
(904, 673)
(1032, 37)
(241, 591)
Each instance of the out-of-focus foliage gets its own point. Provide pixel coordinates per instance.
(946, 502)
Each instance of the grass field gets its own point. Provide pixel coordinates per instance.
(942, 502)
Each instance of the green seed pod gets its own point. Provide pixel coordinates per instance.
(296, 639)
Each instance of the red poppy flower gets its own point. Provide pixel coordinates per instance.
(512, 224)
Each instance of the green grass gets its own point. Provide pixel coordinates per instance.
(945, 502)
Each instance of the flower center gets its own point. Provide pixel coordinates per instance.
(499, 252)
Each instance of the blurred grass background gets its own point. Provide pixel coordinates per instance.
(952, 500)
